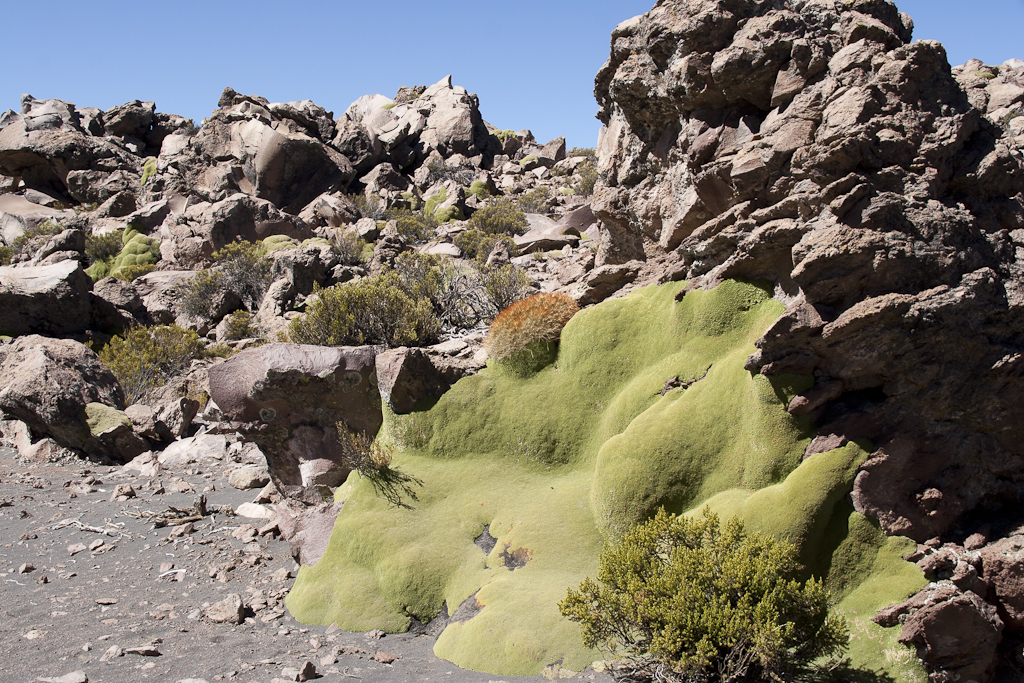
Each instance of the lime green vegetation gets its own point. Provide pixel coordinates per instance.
(148, 170)
(144, 358)
(101, 417)
(278, 242)
(479, 188)
(137, 250)
(529, 159)
(645, 405)
(504, 135)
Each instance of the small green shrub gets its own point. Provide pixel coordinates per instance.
(5, 255)
(103, 247)
(247, 270)
(505, 285)
(270, 244)
(434, 200)
(368, 208)
(374, 310)
(348, 247)
(589, 152)
(586, 179)
(449, 213)
(145, 358)
(197, 295)
(455, 292)
(417, 226)
(129, 273)
(476, 244)
(529, 158)
(687, 600)
(24, 246)
(138, 250)
(389, 105)
(504, 135)
(500, 217)
(535, 201)
(539, 318)
(241, 325)
(479, 188)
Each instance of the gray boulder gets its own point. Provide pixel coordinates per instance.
(51, 299)
(48, 384)
(288, 399)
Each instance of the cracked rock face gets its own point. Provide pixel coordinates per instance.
(811, 144)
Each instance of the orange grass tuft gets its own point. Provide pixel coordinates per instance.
(537, 318)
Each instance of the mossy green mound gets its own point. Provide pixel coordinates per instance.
(138, 250)
(101, 418)
(646, 404)
(277, 242)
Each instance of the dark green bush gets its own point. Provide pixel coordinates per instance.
(5, 255)
(687, 600)
(417, 226)
(242, 325)
(456, 293)
(476, 244)
(535, 201)
(505, 285)
(374, 310)
(586, 178)
(241, 267)
(348, 247)
(24, 246)
(146, 357)
(103, 247)
(500, 217)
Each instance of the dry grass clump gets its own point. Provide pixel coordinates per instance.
(540, 317)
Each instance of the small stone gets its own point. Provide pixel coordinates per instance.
(182, 530)
(143, 650)
(166, 567)
(76, 548)
(26, 568)
(113, 652)
(254, 511)
(282, 574)
(230, 610)
(97, 544)
(375, 634)
(122, 492)
(73, 677)
(384, 657)
(248, 477)
(106, 601)
(34, 635)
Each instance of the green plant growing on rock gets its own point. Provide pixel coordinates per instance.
(129, 273)
(348, 247)
(479, 188)
(417, 226)
(589, 152)
(197, 296)
(242, 325)
(138, 250)
(586, 179)
(505, 285)
(5, 255)
(368, 208)
(103, 248)
(500, 217)
(148, 170)
(456, 292)
(374, 310)
(686, 599)
(476, 244)
(503, 135)
(243, 268)
(146, 357)
(24, 246)
(535, 201)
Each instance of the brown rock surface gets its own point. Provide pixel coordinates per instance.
(287, 398)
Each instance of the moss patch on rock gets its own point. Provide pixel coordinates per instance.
(646, 404)
(102, 418)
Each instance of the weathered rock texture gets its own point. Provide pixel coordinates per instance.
(809, 143)
(289, 399)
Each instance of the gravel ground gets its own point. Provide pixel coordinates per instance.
(113, 591)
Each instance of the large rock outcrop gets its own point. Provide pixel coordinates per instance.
(52, 299)
(289, 399)
(811, 144)
(50, 384)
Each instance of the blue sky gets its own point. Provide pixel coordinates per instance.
(532, 63)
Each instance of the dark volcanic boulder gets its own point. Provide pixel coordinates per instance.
(49, 383)
(288, 399)
(52, 299)
(813, 145)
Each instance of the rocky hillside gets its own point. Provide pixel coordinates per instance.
(806, 250)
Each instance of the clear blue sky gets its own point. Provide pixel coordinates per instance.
(532, 63)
